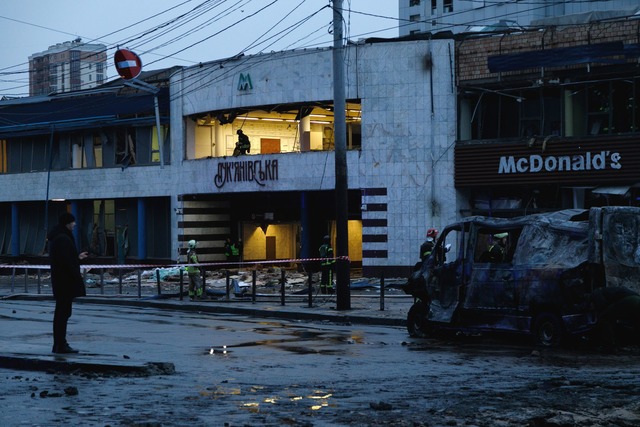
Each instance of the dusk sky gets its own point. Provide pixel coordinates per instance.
(178, 32)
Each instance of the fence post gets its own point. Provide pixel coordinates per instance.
(204, 282)
(382, 291)
(310, 289)
(282, 282)
(13, 278)
(119, 281)
(228, 279)
(39, 273)
(158, 281)
(181, 283)
(139, 283)
(253, 287)
(26, 276)
(102, 281)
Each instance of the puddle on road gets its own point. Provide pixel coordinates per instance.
(317, 342)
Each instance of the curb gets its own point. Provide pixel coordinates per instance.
(231, 307)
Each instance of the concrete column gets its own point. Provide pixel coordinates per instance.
(15, 229)
(305, 238)
(75, 211)
(220, 140)
(304, 129)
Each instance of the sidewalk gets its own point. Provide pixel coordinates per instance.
(23, 350)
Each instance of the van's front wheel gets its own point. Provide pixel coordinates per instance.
(547, 330)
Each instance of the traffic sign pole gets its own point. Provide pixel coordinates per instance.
(129, 66)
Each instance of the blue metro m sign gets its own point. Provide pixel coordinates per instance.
(244, 82)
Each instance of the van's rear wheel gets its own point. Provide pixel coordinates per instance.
(416, 320)
(547, 330)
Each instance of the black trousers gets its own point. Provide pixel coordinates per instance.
(60, 318)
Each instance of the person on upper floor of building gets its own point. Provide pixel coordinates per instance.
(243, 146)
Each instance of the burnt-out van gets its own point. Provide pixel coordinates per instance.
(531, 275)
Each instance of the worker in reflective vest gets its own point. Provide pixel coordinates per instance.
(326, 266)
(497, 251)
(195, 281)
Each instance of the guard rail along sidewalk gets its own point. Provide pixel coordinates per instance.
(220, 281)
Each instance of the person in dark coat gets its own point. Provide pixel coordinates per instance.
(66, 279)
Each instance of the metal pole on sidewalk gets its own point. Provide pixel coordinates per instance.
(310, 289)
(343, 296)
(181, 284)
(381, 291)
(282, 282)
(253, 286)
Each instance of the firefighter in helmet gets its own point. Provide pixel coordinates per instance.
(427, 247)
(195, 281)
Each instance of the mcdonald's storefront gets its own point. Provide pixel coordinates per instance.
(521, 177)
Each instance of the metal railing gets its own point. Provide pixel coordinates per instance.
(137, 279)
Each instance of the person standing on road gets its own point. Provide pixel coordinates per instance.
(195, 281)
(66, 278)
(326, 266)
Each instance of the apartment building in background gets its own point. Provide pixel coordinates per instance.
(67, 66)
(458, 16)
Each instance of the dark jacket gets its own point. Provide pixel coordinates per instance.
(66, 279)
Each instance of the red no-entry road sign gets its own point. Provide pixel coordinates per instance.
(128, 64)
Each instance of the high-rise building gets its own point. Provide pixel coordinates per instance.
(67, 66)
(457, 16)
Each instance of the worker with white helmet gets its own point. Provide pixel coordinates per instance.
(497, 251)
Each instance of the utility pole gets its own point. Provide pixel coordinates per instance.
(343, 292)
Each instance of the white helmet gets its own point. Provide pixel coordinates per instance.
(192, 244)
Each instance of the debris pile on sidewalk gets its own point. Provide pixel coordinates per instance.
(166, 281)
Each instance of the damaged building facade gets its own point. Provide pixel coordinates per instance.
(92, 153)
(549, 118)
(279, 197)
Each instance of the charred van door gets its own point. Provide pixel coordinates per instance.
(492, 296)
(447, 277)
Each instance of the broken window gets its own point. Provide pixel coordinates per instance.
(282, 128)
(3, 156)
(155, 145)
(606, 107)
(125, 147)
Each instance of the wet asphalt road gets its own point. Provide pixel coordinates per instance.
(235, 370)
